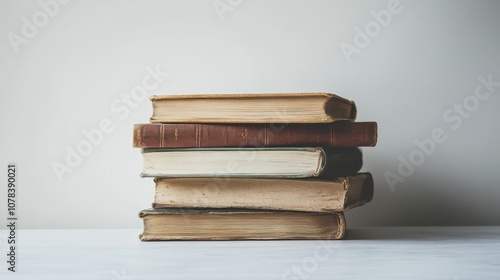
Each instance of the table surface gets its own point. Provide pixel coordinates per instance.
(366, 253)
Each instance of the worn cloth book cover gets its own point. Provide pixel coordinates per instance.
(316, 107)
(239, 224)
(312, 195)
(292, 162)
(189, 135)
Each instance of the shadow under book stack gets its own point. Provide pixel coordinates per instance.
(253, 166)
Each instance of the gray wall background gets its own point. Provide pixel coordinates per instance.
(69, 74)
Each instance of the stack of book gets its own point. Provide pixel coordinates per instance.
(253, 166)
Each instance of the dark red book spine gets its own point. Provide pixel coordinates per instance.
(336, 134)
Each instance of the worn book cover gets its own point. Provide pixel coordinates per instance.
(190, 135)
(316, 107)
(312, 195)
(239, 224)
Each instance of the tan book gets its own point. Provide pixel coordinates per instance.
(233, 224)
(312, 195)
(252, 108)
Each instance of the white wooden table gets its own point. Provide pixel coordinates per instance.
(366, 253)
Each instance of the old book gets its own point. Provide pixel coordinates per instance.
(234, 224)
(294, 162)
(252, 108)
(312, 195)
(336, 134)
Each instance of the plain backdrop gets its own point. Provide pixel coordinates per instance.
(86, 58)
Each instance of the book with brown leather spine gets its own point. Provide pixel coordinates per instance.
(336, 134)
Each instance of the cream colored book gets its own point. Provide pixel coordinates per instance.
(312, 195)
(234, 224)
(292, 162)
(252, 108)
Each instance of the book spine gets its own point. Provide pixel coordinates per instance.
(339, 134)
(341, 162)
(254, 226)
